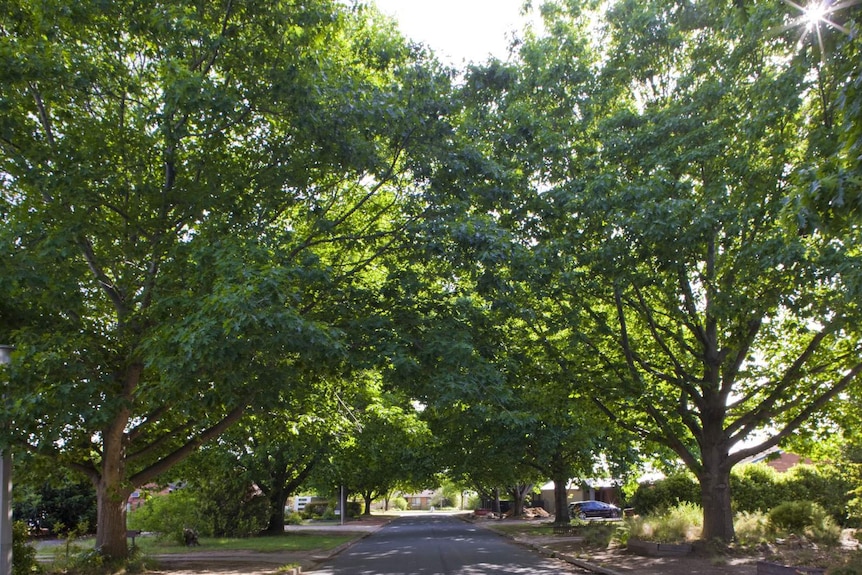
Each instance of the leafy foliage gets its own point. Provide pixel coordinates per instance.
(195, 201)
(389, 446)
(752, 527)
(23, 554)
(828, 486)
(757, 488)
(168, 515)
(659, 241)
(804, 518)
(666, 493)
(47, 505)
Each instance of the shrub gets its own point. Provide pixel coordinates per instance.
(293, 518)
(398, 503)
(88, 562)
(354, 509)
(791, 516)
(804, 518)
(666, 493)
(599, 533)
(681, 523)
(238, 516)
(167, 515)
(827, 485)
(854, 508)
(232, 506)
(70, 502)
(638, 527)
(23, 555)
(73, 558)
(756, 487)
(313, 510)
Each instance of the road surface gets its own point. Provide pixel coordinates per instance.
(438, 545)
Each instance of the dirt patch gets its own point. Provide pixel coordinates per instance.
(236, 562)
(700, 562)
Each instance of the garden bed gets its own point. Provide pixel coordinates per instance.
(654, 549)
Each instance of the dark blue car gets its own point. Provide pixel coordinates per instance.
(585, 509)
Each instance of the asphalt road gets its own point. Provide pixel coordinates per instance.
(438, 545)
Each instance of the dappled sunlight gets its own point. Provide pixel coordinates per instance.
(432, 546)
(484, 568)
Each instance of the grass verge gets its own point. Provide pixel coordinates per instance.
(287, 543)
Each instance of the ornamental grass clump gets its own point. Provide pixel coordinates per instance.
(678, 524)
(752, 527)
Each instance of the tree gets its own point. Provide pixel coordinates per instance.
(274, 451)
(510, 400)
(282, 461)
(189, 192)
(709, 316)
(389, 445)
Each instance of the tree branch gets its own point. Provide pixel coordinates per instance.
(800, 418)
(102, 278)
(153, 471)
(763, 411)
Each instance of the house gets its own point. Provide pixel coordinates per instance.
(574, 492)
(298, 503)
(420, 500)
(139, 496)
(778, 459)
(605, 490)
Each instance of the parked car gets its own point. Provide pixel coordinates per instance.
(585, 509)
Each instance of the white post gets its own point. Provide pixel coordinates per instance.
(5, 494)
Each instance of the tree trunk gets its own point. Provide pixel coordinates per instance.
(111, 519)
(496, 502)
(519, 494)
(112, 485)
(715, 496)
(369, 499)
(277, 498)
(281, 487)
(561, 500)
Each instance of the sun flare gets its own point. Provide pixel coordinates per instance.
(814, 14)
(817, 13)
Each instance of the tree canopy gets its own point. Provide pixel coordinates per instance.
(194, 198)
(667, 245)
(648, 217)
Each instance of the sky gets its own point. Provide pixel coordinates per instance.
(459, 31)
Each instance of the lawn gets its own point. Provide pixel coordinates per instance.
(538, 528)
(309, 541)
